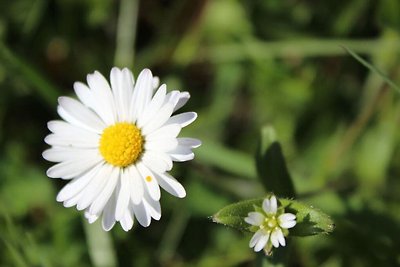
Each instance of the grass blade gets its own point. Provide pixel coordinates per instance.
(372, 68)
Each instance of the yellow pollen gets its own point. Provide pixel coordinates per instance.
(121, 144)
(148, 178)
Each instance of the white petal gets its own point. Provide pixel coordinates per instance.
(91, 217)
(254, 218)
(141, 94)
(162, 116)
(157, 161)
(275, 238)
(189, 142)
(66, 129)
(77, 114)
(154, 106)
(273, 204)
(183, 119)
(122, 86)
(165, 132)
(77, 185)
(58, 154)
(141, 214)
(255, 238)
(101, 200)
(135, 184)
(171, 185)
(261, 242)
(74, 200)
(108, 220)
(123, 196)
(181, 153)
(71, 141)
(149, 181)
(94, 188)
(183, 98)
(281, 238)
(66, 134)
(270, 205)
(127, 221)
(179, 99)
(287, 220)
(153, 207)
(287, 217)
(101, 91)
(89, 99)
(84, 95)
(73, 168)
(166, 144)
(156, 82)
(266, 205)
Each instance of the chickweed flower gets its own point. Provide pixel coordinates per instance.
(116, 145)
(270, 225)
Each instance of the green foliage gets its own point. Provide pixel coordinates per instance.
(310, 221)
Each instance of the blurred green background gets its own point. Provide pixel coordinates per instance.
(247, 64)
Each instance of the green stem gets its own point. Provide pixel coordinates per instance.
(100, 242)
(296, 48)
(126, 33)
(100, 245)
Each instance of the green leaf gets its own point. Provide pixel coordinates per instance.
(23, 70)
(310, 221)
(271, 165)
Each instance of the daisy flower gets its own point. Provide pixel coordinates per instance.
(270, 225)
(116, 144)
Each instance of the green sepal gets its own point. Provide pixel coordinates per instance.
(310, 221)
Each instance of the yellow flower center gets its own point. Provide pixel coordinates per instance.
(270, 222)
(121, 144)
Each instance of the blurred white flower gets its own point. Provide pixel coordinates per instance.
(116, 144)
(270, 225)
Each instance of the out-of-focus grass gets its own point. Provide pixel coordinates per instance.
(247, 64)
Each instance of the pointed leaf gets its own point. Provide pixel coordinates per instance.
(271, 165)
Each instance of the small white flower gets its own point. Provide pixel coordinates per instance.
(117, 144)
(270, 225)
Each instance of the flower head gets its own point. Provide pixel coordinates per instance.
(116, 145)
(270, 225)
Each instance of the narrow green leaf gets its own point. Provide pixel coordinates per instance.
(372, 68)
(15, 64)
(15, 254)
(229, 160)
(271, 165)
(310, 221)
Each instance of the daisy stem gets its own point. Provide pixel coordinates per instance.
(100, 245)
(126, 33)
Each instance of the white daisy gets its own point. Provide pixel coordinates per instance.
(270, 225)
(117, 144)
